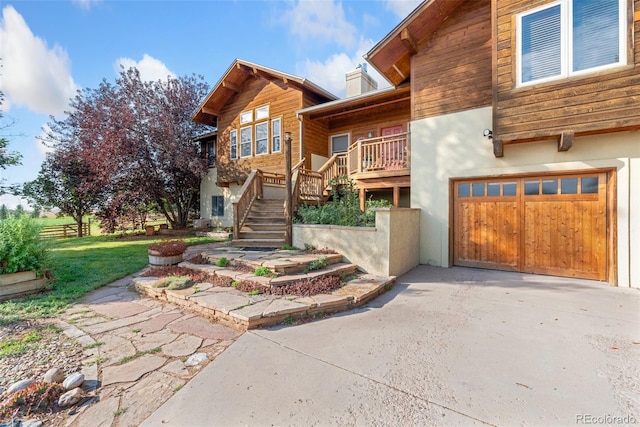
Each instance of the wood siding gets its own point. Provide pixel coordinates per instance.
(283, 101)
(452, 70)
(594, 103)
(357, 124)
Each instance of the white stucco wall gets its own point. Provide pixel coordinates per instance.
(388, 249)
(452, 146)
(209, 188)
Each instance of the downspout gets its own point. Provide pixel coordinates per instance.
(300, 135)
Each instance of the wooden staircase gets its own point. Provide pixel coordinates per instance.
(264, 226)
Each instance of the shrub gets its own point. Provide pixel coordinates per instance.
(21, 248)
(262, 271)
(222, 262)
(343, 209)
(168, 247)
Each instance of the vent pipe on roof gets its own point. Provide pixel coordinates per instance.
(359, 81)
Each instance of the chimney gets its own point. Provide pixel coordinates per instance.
(359, 82)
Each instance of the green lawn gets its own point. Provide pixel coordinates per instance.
(80, 265)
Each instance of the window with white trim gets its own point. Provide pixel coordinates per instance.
(246, 141)
(217, 205)
(262, 112)
(262, 138)
(233, 141)
(570, 37)
(276, 135)
(246, 117)
(339, 143)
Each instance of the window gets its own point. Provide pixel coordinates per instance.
(246, 117)
(570, 37)
(262, 138)
(211, 154)
(233, 139)
(275, 135)
(262, 112)
(339, 143)
(246, 139)
(217, 205)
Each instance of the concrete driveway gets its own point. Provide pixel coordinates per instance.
(444, 347)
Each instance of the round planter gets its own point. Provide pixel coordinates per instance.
(155, 258)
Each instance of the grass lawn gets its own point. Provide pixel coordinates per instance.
(80, 265)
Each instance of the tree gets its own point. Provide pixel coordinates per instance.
(19, 212)
(4, 212)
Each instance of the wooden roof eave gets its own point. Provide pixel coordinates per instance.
(231, 83)
(392, 55)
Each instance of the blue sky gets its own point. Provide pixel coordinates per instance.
(49, 49)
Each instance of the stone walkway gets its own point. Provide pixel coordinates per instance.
(139, 352)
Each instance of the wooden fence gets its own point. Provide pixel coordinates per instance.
(65, 230)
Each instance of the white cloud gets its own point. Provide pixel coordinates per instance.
(402, 8)
(33, 75)
(151, 69)
(86, 4)
(322, 21)
(11, 201)
(330, 74)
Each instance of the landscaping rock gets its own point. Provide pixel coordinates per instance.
(71, 397)
(20, 385)
(54, 375)
(196, 359)
(73, 381)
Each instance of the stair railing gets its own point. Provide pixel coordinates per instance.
(251, 190)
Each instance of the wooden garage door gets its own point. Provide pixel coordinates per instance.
(544, 224)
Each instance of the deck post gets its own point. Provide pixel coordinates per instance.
(288, 212)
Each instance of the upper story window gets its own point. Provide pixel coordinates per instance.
(570, 37)
(262, 112)
(233, 139)
(246, 142)
(246, 117)
(276, 131)
(211, 154)
(262, 138)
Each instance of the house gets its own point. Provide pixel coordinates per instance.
(524, 127)
(251, 107)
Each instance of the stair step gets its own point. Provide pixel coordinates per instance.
(265, 219)
(265, 213)
(254, 226)
(261, 235)
(258, 243)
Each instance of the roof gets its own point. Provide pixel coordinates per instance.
(392, 55)
(233, 79)
(366, 100)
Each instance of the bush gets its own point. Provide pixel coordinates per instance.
(21, 248)
(343, 209)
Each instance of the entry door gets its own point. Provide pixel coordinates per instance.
(540, 224)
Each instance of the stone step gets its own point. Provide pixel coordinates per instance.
(253, 226)
(299, 263)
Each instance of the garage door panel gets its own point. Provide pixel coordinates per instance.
(548, 224)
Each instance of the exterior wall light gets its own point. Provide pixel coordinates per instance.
(488, 133)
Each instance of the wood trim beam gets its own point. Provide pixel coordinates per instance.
(409, 41)
(233, 87)
(498, 148)
(397, 70)
(566, 140)
(636, 16)
(209, 111)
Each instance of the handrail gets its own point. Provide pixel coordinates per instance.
(381, 153)
(297, 165)
(273, 178)
(251, 190)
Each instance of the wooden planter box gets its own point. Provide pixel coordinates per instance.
(20, 284)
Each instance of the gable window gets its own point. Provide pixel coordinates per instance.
(233, 139)
(262, 138)
(217, 205)
(339, 143)
(246, 117)
(262, 112)
(275, 135)
(570, 37)
(246, 140)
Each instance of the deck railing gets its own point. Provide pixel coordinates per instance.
(379, 154)
(251, 190)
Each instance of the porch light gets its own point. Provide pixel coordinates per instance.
(488, 133)
(287, 136)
